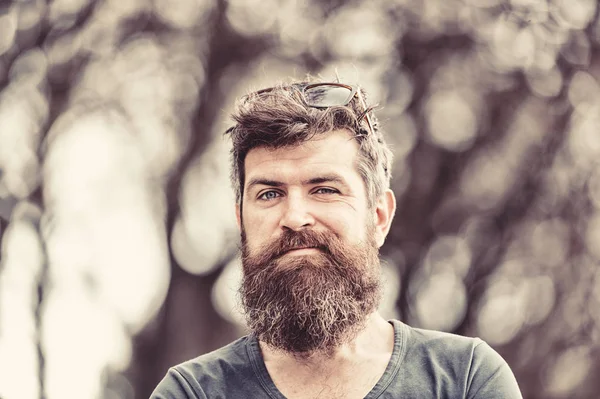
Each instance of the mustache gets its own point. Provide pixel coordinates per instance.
(290, 240)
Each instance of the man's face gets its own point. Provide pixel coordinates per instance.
(309, 245)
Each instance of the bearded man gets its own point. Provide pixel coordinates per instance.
(311, 171)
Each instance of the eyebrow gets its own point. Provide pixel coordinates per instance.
(328, 178)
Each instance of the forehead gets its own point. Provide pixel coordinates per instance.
(332, 152)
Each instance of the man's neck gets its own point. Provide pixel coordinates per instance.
(375, 340)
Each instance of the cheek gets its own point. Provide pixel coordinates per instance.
(259, 226)
(348, 225)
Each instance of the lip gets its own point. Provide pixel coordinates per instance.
(302, 251)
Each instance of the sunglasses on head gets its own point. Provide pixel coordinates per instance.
(325, 95)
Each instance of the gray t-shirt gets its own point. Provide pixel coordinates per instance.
(424, 364)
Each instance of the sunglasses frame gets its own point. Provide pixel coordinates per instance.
(354, 92)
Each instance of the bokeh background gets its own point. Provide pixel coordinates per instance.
(119, 243)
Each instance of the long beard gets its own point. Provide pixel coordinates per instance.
(311, 303)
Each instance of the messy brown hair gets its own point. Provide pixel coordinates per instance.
(280, 118)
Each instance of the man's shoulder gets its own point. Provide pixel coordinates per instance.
(231, 355)
(433, 340)
(205, 375)
(434, 355)
(444, 348)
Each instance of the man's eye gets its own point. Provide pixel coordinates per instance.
(268, 195)
(325, 190)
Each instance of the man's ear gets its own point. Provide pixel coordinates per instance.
(238, 216)
(385, 209)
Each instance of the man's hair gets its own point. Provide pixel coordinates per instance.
(280, 118)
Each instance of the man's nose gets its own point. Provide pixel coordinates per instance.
(296, 215)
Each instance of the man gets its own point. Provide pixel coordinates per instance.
(311, 171)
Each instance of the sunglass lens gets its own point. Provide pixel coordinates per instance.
(327, 96)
